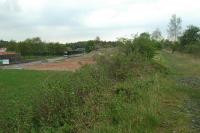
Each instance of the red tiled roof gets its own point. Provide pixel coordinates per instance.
(8, 53)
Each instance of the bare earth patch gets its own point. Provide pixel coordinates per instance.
(70, 64)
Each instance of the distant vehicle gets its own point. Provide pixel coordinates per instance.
(66, 54)
(74, 52)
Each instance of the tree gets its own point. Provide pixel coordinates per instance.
(174, 27)
(141, 45)
(33, 40)
(156, 35)
(145, 35)
(97, 39)
(90, 46)
(123, 40)
(190, 36)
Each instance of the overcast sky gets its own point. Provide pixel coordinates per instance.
(74, 20)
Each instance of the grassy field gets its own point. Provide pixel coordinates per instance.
(18, 89)
(146, 103)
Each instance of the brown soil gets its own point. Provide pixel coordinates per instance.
(71, 64)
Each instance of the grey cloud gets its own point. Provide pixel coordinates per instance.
(10, 6)
(61, 17)
(9, 13)
(57, 21)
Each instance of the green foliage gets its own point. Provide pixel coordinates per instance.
(145, 47)
(190, 36)
(142, 45)
(193, 48)
(167, 44)
(90, 46)
(36, 47)
(55, 109)
(116, 66)
(145, 35)
(190, 41)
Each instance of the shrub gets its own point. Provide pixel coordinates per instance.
(141, 45)
(116, 66)
(90, 46)
(72, 104)
(193, 49)
(55, 108)
(167, 44)
(190, 41)
(190, 36)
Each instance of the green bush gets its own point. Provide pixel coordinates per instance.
(193, 49)
(116, 66)
(73, 104)
(90, 46)
(55, 109)
(141, 45)
(190, 36)
(190, 41)
(167, 44)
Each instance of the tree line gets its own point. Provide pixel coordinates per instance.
(37, 47)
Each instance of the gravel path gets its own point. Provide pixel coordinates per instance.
(192, 105)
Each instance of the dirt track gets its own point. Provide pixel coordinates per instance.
(60, 63)
(71, 64)
(57, 64)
